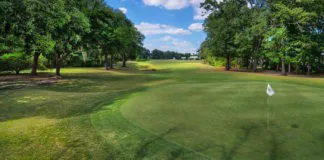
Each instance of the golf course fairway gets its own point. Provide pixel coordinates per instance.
(164, 110)
(224, 116)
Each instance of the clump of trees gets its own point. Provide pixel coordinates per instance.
(14, 62)
(266, 34)
(65, 32)
(158, 54)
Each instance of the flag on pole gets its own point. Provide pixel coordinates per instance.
(270, 91)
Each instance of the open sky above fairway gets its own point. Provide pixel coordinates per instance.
(167, 24)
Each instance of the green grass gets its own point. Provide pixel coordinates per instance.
(163, 110)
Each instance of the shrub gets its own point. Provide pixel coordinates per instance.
(14, 62)
(217, 62)
(235, 63)
(139, 59)
(42, 62)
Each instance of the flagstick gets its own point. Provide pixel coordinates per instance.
(270, 93)
(268, 114)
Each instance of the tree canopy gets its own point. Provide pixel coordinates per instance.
(65, 31)
(266, 33)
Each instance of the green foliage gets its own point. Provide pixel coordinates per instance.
(266, 32)
(42, 62)
(139, 59)
(14, 62)
(221, 26)
(158, 54)
(57, 29)
(77, 25)
(215, 61)
(143, 53)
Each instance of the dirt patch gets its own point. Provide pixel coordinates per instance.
(20, 81)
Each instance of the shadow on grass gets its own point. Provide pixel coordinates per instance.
(275, 146)
(177, 153)
(142, 150)
(99, 89)
(87, 83)
(228, 154)
(60, 109)
(69, 145)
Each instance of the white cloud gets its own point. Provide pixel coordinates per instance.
(196, 27)
(167, 38)
(199, 13)
(169, 43)
(168, 4)
(124, 10)
(155, 29)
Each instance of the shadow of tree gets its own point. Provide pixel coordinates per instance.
(67, 107)
(275, 143)
(228, 154)
(142, 149)
(176, 153)
(99, 89)
(69, 145)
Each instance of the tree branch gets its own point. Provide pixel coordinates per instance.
(6, 51)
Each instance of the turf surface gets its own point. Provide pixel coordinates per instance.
(163, 110)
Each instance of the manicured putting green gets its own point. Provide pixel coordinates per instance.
(228, 120)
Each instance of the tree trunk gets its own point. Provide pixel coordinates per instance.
(283, 67)
(308, 69)
(17, 72)
(228, 63)
(124, 61)
(262, 65)
(58, 67)
(277, 68)
(58, 64)
(289, 68)
(106, 62)
(35, 64)
(111, 62)
(254, 65)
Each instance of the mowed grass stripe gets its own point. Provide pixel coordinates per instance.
(177, 110)
(217, 114)
(133, 142)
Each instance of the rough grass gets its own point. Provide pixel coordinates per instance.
(163, 110)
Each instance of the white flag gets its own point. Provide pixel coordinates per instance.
(270, 91)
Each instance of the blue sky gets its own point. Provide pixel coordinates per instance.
(167, 24)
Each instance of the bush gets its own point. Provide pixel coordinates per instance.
(217, 62)
(42, 62)
(235, 63)
(139, 59)
(14, 62)
(4, 66)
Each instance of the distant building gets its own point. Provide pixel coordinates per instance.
(194, 58)
(183, 58)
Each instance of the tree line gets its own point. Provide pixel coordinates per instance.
(284, 35)
(56, 32)
(158, 54)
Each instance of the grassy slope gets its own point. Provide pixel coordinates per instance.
(186, 110)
